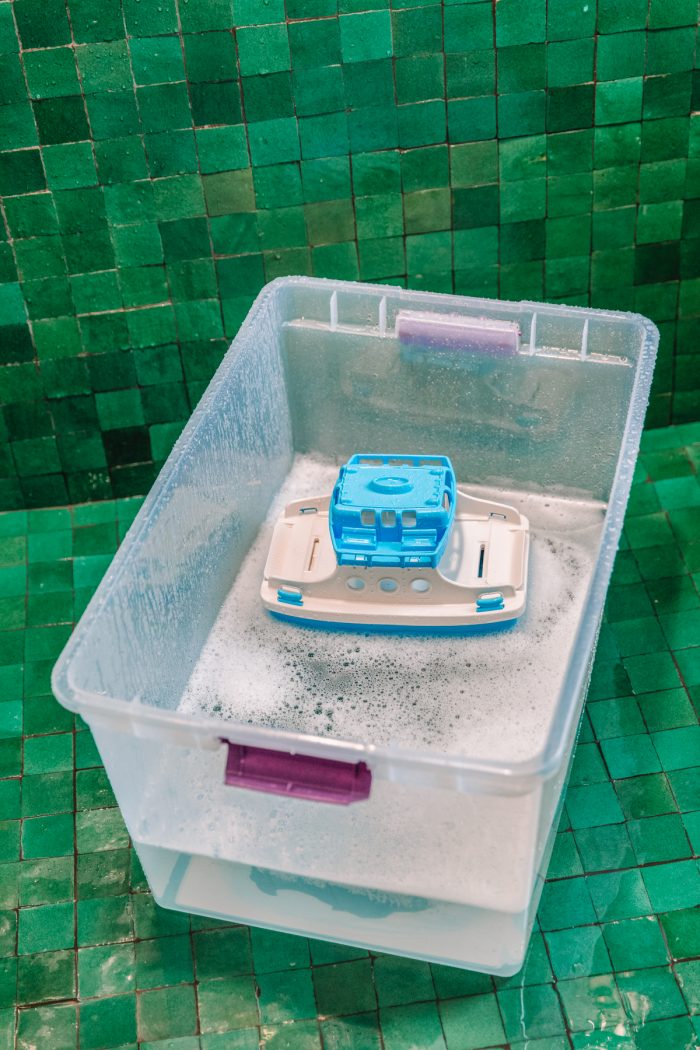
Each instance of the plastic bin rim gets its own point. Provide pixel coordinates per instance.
(516, 776)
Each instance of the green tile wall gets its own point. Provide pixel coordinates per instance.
(161, 160)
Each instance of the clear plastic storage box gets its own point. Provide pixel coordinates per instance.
(230, 739)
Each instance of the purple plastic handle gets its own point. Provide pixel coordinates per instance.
(299, 776)
(458, 333)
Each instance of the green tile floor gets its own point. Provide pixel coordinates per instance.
(88, 961)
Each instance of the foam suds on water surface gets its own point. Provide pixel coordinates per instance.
(482, 695)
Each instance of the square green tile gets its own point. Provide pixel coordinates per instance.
(682, 931)
(672, 886)
(51, 72)
(105, 970)
(47, 927)
(167, 1013)
(419, 1023)
(54, 1023)
(108, 1022)
(46, 977)
(365, 36)
(473, 1021)
(104, 921)
(49, 836)
(592, 1000)
(618, 895)
(399, 981)
(344, 988)
(630, 940)
(578, 951)
(531, 1014)
(263, 49)
(227, 1004)
(286, 996)
(678, 748)
(650, 994)
(273, 951)
(604, 850)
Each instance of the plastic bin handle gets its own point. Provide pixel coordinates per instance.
(458, 332)
(297, 776)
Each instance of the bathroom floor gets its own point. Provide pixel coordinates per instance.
(88, 961)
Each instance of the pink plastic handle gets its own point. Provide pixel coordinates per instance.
(297, 776)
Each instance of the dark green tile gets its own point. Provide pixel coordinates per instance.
(312, 44)
(41, 25)
(104, 921)
(565, 903)
(47, 927)
(47, 793)
(167, 1013)
(682, 931)
(399, 981)
(274, 951)
(164, 961)
(45, 977)
(222, 953)
(286, 996)
(104, 874)
(109, 1022)
(420, 1023)
(21, 171)
(344, 988)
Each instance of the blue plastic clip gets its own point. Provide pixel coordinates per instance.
(489, 601)
(289, 597)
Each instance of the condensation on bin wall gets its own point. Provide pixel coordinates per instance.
(160, 161)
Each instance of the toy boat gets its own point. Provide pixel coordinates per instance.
(397, 544)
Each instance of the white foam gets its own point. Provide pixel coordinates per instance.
(489, 696)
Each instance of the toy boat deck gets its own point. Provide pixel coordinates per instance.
(398, 544)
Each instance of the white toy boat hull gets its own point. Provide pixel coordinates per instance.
(481, 579)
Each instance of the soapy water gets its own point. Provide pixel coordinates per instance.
(482, 695)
